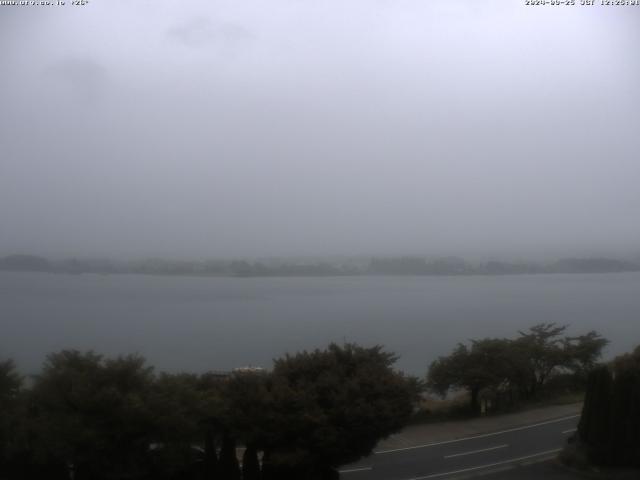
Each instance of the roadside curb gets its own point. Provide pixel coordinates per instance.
(476, 436)
(416, 436)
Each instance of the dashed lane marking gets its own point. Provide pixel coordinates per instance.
(354, 470)
(476, 451)
(488, 465)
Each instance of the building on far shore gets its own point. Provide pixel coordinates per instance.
(249, 369)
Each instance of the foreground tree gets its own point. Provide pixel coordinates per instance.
(93, 418)
(505, 369)
(250, 464)
(609, 428)
(179, 405)
(10, 413)
(595, 427)
(245, 416)
(625, 418)
(547, 352)
(542, 345)
(486, 365)
(583, 352)
(331, 407)
(92, 415)
(228, 465)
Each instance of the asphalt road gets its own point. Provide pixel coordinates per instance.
(463, 457)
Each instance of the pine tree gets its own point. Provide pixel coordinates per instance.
(228, 467)
(210, 457)
(267, 472)
(610, 424)
(625, 418)
(250, 464)
(594, 423)
(594, 428)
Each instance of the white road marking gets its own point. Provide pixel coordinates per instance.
(476, 451)
(489, 465)
(484, 435)
(353, 470)
(571, 430)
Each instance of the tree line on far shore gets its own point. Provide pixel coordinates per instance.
(418, 266)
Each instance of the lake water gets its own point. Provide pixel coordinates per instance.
(197, 324)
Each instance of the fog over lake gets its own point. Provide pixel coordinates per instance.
(490, 131)
(198, 324)
(226, 129)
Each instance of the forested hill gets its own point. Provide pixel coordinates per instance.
(417, 266)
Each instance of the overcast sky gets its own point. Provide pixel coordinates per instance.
(255, 128)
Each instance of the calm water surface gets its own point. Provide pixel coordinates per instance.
(186, 323)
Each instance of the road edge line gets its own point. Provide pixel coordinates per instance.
(473, 437)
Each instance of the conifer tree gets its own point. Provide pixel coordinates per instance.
(228, 466)
(250, 464)
(594, 427)
(210, 457)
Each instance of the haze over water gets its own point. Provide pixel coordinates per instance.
(230, 129)
(198, 324)
(290, 128)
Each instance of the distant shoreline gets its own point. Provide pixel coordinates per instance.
(391, 266)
